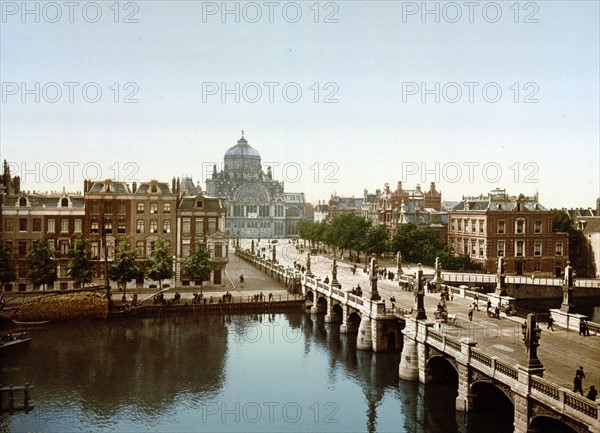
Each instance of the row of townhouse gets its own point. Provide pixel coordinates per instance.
(106, 211)
(517, 228)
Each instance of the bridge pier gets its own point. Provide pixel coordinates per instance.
(413, 357)
(464, 399)
(364, 341)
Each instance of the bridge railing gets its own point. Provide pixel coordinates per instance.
(544, 390)
(464, 277)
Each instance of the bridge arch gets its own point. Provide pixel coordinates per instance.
(549, 424)
(354, 319)
(487, 394)
(310, 296)
(321, 304)
(441, 369)
(337, 313)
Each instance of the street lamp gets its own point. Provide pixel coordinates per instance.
(531, 337)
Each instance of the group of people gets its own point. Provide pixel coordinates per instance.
(584, 329)
(578, 385)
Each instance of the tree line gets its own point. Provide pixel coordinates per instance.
(417, 244)
(42, 263)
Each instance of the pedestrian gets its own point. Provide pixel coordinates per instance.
(581, 327)
(550, 322)
(592, 393)
(577, 384)
(586, 329)
(497, 312)
(476, 301)
(489, 304)
(475, 306)
(270, 296)
(471, 308)
(580, 373)
(241, 278)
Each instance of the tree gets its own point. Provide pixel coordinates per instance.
(160, 264)
(579, 247)
(80, 265)
(124, 267)
(199, 264)
(8, 271)
(375, 240)
(41, 263)
(416, 244)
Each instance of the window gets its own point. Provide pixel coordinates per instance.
(23, 224)
(94, 227)
(199, 203)
(95, 250)
(520, 227)
(64, 247)
(538, 267)
(51, 246)
(460, 225)
(139, 248)
(520, 249)
(22, 202)
(51, 226)
(501, 248)
(199, 226)
(212, 225)
(108, 208)
(78, 226)
(453, 224)
(559, 248)
(140, 207)
(22, 248)
(481, 224)
(151, 247)
(8, 225)
(94, 208)
(139, 226)
(185, 228)
(537, 227)
(481, 249)
(219, 250)
(121, 227)
(473, 248)
(64, 225)
(167, 226)
(122, 209)
(166, 207)
(37, 225)
(108, 227)
(537, 248)
(185, 251)
(473, 226)
(64, 202)
(153, 226)
(501, 227)
(153, 208)
(110, 248)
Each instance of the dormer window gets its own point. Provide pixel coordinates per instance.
(64, 202)
(154, 189)
(22, 202)
(199, 203)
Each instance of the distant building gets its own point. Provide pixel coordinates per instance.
(106, 211)
(517, 228)
(588, 221)
(257, 205)
(321, 212)
(344, 205)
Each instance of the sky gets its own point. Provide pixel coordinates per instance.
(337, 97)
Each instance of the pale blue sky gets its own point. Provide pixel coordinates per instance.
(371, 134)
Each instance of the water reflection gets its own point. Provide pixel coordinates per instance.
(258, 372)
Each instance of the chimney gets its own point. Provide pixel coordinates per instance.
(173, 185)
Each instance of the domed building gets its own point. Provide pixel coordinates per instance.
(257, 206)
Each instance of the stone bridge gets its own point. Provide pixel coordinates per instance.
(429, 355)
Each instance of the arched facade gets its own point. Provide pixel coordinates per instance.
(257, 206)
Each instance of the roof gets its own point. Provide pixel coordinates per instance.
(243, 149)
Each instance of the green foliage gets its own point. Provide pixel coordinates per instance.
(580, 254)
(375, 240)
(160, 264)
(41, 263)
(124, 267)
(349, 231)
(8, 271)
(199, 264)
(80, 265)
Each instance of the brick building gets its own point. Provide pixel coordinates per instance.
(518, 228)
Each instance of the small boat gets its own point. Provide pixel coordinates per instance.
(38, 323)
(14, 342)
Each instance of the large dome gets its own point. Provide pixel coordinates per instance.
(242, 148)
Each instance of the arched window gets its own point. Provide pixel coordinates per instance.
(22, 202)
(64, 202)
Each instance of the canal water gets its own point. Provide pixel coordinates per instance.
(244, 373)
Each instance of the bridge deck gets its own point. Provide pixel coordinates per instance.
(560, 352)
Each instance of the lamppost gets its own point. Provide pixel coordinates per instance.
(420, 295)
(531, 337)
(374, 294)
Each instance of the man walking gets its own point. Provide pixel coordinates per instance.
(476, 302)
(550, 322)
(471, 308)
